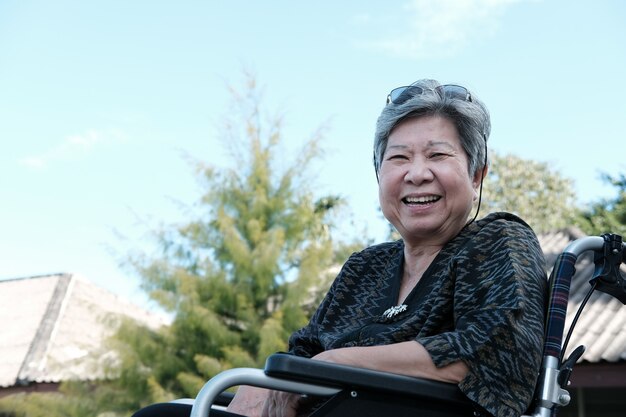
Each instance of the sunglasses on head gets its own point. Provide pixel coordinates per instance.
(400, 95)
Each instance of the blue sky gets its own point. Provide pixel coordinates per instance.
(100, 101)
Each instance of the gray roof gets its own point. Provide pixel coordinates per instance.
(53, 328)
(601, 327)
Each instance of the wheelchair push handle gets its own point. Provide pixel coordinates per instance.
(609, 253)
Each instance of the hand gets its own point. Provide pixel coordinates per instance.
(281, 404)
(248, 401)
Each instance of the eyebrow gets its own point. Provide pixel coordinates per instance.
(396, 147)
(433, 143)
(429, 144)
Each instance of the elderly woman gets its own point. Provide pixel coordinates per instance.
(456, 299)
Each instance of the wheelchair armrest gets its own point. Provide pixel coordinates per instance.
(294, 368)
(253, 377)
(286, 372)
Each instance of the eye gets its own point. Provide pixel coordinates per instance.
(438, 155)
(397, 156)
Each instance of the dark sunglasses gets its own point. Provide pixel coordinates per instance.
(402, 94)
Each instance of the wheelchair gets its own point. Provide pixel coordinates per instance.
(361, 392)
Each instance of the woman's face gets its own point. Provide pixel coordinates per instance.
(425, 190)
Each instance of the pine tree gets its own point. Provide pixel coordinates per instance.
(242, 275)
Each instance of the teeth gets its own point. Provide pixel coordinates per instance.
(421, 200)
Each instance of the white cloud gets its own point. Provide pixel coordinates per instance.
(439, 28)
(73, 147)
(86, 141)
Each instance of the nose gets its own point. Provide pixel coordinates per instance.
(418, 172)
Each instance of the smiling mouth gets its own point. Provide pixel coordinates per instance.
(421, 200)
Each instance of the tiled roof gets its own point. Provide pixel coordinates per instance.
(53, 328)
(601, 327)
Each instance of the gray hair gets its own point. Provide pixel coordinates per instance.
(471, 119)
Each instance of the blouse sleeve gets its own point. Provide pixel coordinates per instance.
(499, 298)
(306, 341)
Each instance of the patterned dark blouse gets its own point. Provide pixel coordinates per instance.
(482, 301)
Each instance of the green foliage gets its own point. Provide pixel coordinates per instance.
(74, 399)
(239, 276)
(539, 195)
(608, 215)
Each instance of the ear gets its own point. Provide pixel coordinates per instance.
(479, 176)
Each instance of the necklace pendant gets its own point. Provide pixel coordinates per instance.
(391, 312)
